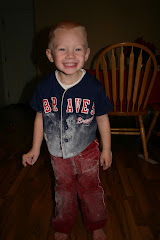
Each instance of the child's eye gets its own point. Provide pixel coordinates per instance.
(62, 49)
(78, 49)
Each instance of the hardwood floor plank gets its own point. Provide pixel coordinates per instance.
(143, 196)
(145, 233)
(30, 205)
(113, 220)
(136, 210)
(129, 191)
(134, 233)
(105, 183)
(112, 177)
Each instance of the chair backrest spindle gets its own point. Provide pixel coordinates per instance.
(136, 83)
(105, 76)
(121, 84)
(144, 82)
(114, 85)
(130, 78)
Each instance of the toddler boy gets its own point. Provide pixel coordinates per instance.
(70, 103)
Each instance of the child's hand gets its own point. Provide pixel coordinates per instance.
(30, 158)
(106, 159)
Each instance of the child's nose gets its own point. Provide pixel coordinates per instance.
(70, 54)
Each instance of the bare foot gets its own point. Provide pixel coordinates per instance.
(60, 236)
(99, 234)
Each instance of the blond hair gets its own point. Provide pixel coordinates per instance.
(67, 25)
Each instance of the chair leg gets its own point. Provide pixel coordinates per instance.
(143, 137)
(152, 125)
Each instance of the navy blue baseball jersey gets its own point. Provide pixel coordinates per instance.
(69, 116)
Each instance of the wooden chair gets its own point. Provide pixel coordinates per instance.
(128, 71)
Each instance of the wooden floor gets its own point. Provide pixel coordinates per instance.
(131, 185)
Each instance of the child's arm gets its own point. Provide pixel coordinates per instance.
(105, 133)
(31, 157)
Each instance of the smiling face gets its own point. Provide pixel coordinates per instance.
(69, 50)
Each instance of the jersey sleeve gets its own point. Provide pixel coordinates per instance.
(37, 100)
(102, 103)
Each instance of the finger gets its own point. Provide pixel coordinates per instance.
(26, 160)
(34, 159)
(24, 163)
(102, 162)
(106, 166)
(27, 156)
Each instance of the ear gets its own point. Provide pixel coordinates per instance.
(49, 55)
(87, 54)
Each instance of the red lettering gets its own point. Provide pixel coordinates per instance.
(54, 104)
(84, 108)
(93, 110)
(46, 106)
(78, 104)
(79, 120)
(69, 106)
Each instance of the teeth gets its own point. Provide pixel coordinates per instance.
(69, 64)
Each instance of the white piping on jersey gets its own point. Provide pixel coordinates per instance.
(61, 118)
(68, 87)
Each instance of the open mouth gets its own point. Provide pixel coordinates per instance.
(70, 64)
